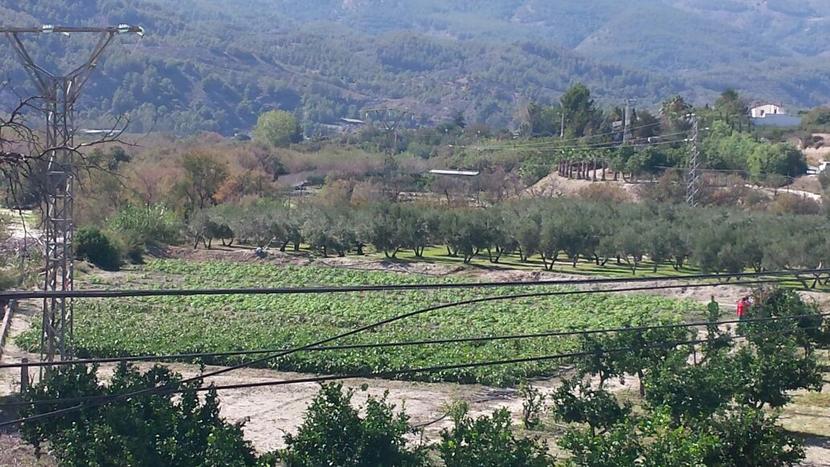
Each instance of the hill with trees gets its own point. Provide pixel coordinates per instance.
(206, 66)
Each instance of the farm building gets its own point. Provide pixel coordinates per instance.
(772, 115)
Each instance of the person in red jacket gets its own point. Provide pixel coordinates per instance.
(743, 307)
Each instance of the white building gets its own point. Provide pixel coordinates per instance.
(772, 115)
(762, 111)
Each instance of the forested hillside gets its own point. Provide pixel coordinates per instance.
(206, 65)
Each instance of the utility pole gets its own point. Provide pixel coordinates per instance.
(693, 179)
(60, 93)
(627, 121)
(562, 127)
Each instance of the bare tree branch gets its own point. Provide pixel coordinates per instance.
(22, 154)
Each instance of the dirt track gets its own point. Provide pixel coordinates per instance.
(271, 411)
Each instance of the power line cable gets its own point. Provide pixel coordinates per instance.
(377, 374)
(554, 146)
(359, 330)
(393, 373)
(550, 164)
(559, 142)
(377, 345)
(425, 342)
(131, 293)
(583, 138)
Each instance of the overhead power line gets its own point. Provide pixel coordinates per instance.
(432, 369)
(127, 293)
(575, 142)
(369, 327)
(635, 146)
(553, 145)
(375, 374)
(553, 139)
(425, 342)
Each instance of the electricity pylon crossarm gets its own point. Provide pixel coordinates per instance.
(60, 93)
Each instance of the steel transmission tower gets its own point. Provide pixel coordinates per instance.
(390, 120)
(693, 180)
(60, 93)
(627, 120)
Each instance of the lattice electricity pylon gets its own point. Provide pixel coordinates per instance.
(60, 93)
(693, 182)
(389, 120)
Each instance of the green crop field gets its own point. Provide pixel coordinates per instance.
(165, 325)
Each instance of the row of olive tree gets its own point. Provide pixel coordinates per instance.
(627, 235)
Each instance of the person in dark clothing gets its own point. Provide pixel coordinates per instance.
(713, 310)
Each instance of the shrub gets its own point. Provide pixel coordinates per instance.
(710, 412)
(577, 402)
(756, 199)
(728, 196)
(786, 203)
(135, 253)
(488, 441)
(98, 248)
(604, 193)
(670, 188)
(8, 279)
(140, 226)
(156, 429)
(649, 441)
(534, 168)
(333, 433)
(277, 128)
(817, 120)
(533, 405)
(747, 436)
(824, 179)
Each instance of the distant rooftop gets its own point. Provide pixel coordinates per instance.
(109, 132)
(353, 121)
(460, 173)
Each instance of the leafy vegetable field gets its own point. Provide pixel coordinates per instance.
(166, 325)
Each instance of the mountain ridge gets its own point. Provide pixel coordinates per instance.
(204, 66)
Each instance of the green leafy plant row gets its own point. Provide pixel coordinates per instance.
(169, 325)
